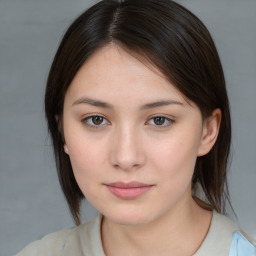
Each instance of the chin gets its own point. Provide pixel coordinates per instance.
(129, 217)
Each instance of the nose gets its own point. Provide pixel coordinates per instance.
(127, 151)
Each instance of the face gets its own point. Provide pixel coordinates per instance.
(132, 138)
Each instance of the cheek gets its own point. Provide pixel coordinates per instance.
(176, 157)
(175, 166)
(176, 152)
(87, 155)
(87, 160)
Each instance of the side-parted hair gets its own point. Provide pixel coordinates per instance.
(172, 39)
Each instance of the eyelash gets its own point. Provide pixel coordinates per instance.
(166, 119)
(85, 121)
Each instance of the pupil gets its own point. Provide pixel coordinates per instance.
(159, 120)
(97, 119)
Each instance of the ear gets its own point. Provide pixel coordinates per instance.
(210, 132)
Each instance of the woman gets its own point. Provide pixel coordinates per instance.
(139, 117)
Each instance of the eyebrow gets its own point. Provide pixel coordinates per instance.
(93, 102)
(101, 104)
(160, 103)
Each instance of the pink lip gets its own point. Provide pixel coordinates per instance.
(130, 190)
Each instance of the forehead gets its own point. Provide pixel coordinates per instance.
(113, 72)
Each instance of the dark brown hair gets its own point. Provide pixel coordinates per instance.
(167, 36)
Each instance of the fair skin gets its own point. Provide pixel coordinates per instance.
(124, 122)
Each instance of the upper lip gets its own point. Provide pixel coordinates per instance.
(132, 184)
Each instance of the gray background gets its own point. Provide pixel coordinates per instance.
(31, 202)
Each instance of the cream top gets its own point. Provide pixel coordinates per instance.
(85, 240)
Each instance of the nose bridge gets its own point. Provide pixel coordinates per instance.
(127, 150)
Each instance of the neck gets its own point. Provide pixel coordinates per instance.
(180, 232)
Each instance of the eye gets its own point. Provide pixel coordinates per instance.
(160, 121)
(95, 121)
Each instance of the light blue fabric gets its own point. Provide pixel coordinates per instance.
(240, 246)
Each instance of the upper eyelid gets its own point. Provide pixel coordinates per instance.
(93, 115)
(162, 115)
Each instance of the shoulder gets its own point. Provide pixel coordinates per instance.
(68, 241)
(222, 235)
(230, 226)
(64, 242)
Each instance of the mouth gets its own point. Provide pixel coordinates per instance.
(128, 191)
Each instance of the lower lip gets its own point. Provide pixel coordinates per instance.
(128, 193)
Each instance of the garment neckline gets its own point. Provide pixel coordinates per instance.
(220, 224)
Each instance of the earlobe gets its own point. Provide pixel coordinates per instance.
(210, 132)
(66, 149)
